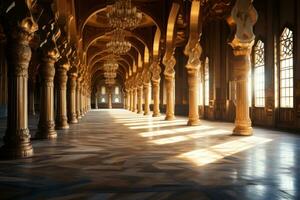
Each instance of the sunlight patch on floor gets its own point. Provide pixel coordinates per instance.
(158, 125)
(182, 138)
(174, 131)
(205, 156)
(152, 122)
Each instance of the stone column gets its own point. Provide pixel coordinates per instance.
(62, 78)
(146, 98)
(134, 100)
(131, 100)
(19, 32)
(72, 97)
(193, 51)
(127, 99)
(96, 100)
(110, 100)
(78, 97)
(244, 17)
(81, 99)
(156, 70)
(140, 99)
(31, 108)
(49, 55)
(169, 62)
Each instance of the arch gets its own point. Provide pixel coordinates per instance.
(170, 36)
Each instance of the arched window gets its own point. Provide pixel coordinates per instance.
(103, 90)
(102, 100)
(259, 74)
(206, 82)
(286, 80)
(117, 90)
(117, 100)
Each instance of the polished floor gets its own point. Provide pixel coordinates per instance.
(116, 154)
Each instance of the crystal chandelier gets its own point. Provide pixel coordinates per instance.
(111, 64)
(118, 45)
(123, 15)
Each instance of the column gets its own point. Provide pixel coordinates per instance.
(81, 99)
(244, 17)
(31, 90)
(49, 55)
(78, 97)
(169, 62)
(140, 99)
(109, 100)
(96, 100)
(72, 115)
(156, 70)
(62, 78)
(193, 51)
(19, 33)
(146, 98)
(131, 100)
(134, 109)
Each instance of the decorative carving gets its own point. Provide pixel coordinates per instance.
(169, 62)
(156, 70)
(193, 50)
(243, 18)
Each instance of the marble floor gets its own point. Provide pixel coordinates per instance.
(116, 154)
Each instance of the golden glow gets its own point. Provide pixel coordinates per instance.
(146, 55)
(158, 125)
(134, 67)
(189, 137)
(174, 131)
(156, 42)
(171, 24)
(152, 122)
(140, 61)
(208, 155)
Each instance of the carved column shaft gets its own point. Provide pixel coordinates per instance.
(61, 115)
(17, 138)
(146, 91)
(134, 100)
(96, 101)
(31, 90)
(140, 99)
(110, 100)
(72, 98)
(78, 98)
(169, 73)
(46, 122)
(156, 102)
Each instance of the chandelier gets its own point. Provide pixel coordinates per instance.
(123, 15)
(110, 81)
(118, 45)
(111, 65)
(110, 75)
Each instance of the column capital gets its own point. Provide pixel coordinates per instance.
(156, 71)
(169, 62)
(193, 50)
(242, 19)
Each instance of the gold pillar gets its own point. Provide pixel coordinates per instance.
(78, 97)
(72, 97)
(242, 46)
(140, 99)
(169, 73)
(81, 98)
(96, 100)
(46, 127)
(134, 100)
(193, 51)
(17, 138)
(109, 99)
(156, 70)
(31, 105)
(128, 99)
(146, 91)
(62, 78)
(131, 100)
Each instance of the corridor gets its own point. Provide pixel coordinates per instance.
(116, 154)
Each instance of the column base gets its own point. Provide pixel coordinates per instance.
(146, 113)
(13, 149)
(193, 122)
(140, 112)
(73, 121)
(79, 117)
(242, 131)
(170, 118)
(63, 127)
(48, 134)
(156, 115)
